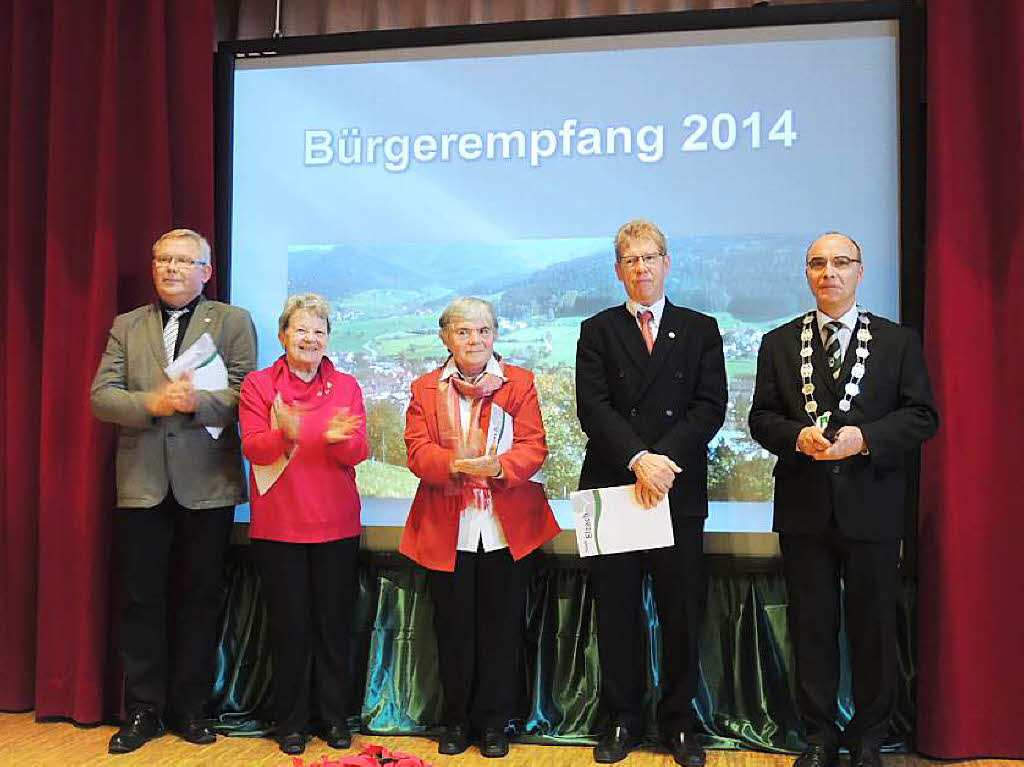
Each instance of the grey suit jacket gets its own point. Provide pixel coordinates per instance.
(175, 451)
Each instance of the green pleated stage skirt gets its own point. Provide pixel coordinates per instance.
(744, 699)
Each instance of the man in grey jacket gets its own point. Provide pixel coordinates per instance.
(177, 485)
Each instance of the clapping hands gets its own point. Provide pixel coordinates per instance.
(341, 426)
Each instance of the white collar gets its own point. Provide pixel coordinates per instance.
(849, 319)
(657, 308)
(493, 367)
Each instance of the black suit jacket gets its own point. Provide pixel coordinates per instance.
(894, 411)
(671, 401)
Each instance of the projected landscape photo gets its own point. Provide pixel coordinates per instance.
(386, 300)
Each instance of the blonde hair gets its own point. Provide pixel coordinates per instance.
(639, 229)
(311, 302)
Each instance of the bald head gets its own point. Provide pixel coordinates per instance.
(834, 270)
(832, 237)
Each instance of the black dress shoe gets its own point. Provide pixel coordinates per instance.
(866, 757)
(818, 755)
(292, 743)
(198, 731)
(337, 736)
(687, 750)
(614, 745)
(494, 743)
(454, 741)
(142, 725)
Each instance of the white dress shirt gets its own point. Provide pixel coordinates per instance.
(476, 525)
(657, 309)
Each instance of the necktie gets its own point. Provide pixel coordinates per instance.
(645, 318)
(171, 333)
(833, 349)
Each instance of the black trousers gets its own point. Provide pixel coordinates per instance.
(479, 614)
(154, 547)
(680, 590)
(813, 565)
(310, 590)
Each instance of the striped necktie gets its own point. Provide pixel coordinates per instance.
(171, 333)
(833, 349)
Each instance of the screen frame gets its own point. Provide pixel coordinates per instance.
(911, 149)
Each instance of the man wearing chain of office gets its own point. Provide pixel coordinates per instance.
(841, 396)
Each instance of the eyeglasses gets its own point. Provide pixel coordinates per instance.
(648, 259)
(818, 263)
(166, 262)
(464, 333)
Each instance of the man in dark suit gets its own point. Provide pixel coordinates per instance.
(841, 396)
(179, 476)
(651, 393)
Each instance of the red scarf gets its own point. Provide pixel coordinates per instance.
(470, 442)
(306, 395)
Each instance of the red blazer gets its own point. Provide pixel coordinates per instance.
(432, 529)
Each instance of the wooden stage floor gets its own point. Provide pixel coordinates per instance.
(27, 743)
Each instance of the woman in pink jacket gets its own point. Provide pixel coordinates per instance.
(304, 431)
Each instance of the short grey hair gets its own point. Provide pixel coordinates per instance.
(311, 302)
(464, 308)
(856, 245)
(185, 234)
(639, 229)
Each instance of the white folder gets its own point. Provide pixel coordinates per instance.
(610, 521)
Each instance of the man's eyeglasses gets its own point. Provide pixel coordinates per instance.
(166, 262)
(818, 264)
(648, 259)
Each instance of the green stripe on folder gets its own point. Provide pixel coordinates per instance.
(597, 517)
(207, 361)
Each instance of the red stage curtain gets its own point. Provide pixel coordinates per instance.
(105, 142)
(971, 625)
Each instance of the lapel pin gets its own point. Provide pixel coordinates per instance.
(671, 334)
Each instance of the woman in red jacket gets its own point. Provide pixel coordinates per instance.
(303, 431)
(476, 441)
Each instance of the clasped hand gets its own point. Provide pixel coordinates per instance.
(812, 442)
(481, 466)
(655, 475)
(174, 396)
